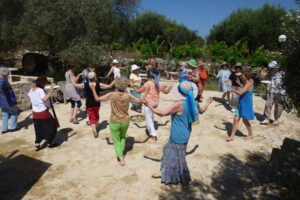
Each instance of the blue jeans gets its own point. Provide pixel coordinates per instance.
(12, 113)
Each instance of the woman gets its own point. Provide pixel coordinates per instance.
(151, 90)
(174, 168)
(119, 118)
(136, 80)
(223, 74)
(245, 105)
(182, 74)
(194, 76)
(151, 65)
(72, 94)
(203, 76)
(92, 106)
(8, 103)
(115, 69)
(44, 124)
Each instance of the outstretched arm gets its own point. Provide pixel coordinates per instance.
(172, 73)
(110, 71)
(177, 107)
(123, 67)
(204, 108)
(166, 91)
(74, 80)
(102, 98)
(105, 87)
(48, 95)
(135, 99)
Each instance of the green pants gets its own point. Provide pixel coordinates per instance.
(118, 134)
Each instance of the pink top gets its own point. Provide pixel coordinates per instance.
(153, 93)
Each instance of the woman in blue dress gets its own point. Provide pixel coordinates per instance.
(184, 112)
(224, 74)
(245, 105)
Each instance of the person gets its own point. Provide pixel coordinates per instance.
(92, 106)
(151, 64)
(182, 74)
(44, 124)
(85, 73)
(245, 105)
(151, 90)
(183, 113)
(72, 94)
(223, 74)
(8, 103)
(275, 93)
(136, 80)
(194, 76)
(233, 79)
(119, 118)
(203, 77)
(115, 69)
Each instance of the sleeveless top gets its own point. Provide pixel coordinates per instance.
(71, 92)
(119, 103)
(183, 78)
(245, 105)
(90, 100)
(117, 72)
(181, 128)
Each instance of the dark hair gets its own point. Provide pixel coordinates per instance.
(71, 65)
(153, 71)
(238, 67)
(247, 74)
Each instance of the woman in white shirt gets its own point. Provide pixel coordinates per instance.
(136, 80)
(44, 123)
(115, 69)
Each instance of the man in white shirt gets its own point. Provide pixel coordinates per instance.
(275, 93)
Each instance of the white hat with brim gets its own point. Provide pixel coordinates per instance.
(134, 67)
(177, 95)
(115, 61)
(273, 64)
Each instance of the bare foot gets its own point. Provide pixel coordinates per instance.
(157, 175)
(190, 182)
(121, 161)
(249, 137)
(229, 139)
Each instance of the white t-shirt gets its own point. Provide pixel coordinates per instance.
(117, 72)
(136, 78)
(36, 97)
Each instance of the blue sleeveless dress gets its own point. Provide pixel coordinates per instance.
(182, 78)
(245, 106)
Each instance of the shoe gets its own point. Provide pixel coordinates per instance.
(13, 130)
(153, 137)
(95, 134)
(52, 145)
(88, 123)
(233, 110)
(275, 122)
(75, 122)
(265, 121)
(3, 132)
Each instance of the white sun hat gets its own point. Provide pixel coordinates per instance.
(115, 61)
(186, 85)
(134, 67)
(273, 64)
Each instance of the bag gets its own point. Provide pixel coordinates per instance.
(54, 115)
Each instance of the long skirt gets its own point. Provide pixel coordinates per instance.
(173, 164)
(44, 129)
(136, 95)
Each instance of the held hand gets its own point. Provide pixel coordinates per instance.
(165, 71)
(52, 86)
(131, 83)
(238, 81)
(143, 100)
(209, 100)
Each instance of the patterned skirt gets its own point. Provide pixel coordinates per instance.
(173, 164)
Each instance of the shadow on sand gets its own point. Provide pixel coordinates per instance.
(228, 128)
(156, 124)
(219, 100)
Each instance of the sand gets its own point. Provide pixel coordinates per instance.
(83, 167)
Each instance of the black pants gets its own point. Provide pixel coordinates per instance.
(44, 129)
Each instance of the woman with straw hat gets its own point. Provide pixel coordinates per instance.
(184, 112)
(119, 118)
(45, 126)
(92, 106)
(224, 74)
(136, 80)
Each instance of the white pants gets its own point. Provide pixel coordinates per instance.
(149, 121)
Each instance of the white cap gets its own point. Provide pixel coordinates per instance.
(4, 71)
(91, 75)
(181, 63)
(273, 64)
(134, 67)
(115, 61)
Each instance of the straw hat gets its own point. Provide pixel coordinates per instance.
(186, 85)
(91, 75)
(200, 63)
(238, 64)
(41, 81)
(192, 63)
(115, 61)
(134, 67)
(224, 63)
(121, 83)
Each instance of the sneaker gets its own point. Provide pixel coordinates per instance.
(275, 122)
(3, 132)
(95, 134)
(266, 121)
(233, 110)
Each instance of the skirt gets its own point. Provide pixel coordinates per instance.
(136, 95)
(44, 129)
(174, 168)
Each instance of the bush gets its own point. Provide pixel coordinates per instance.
(187, 50)
(149, 49)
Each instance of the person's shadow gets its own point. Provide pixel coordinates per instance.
(62, 136)
(81, 115)
(103, 125)
(219, 100)
(187, 153)
(228, 128)
(130, 141)
(156, 124)
(26, 122)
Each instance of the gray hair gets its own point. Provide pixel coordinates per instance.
(4, 71)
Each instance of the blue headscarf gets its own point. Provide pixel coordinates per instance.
(192, 105)
(155, 78)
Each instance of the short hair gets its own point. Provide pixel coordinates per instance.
(4, 71)
(247, 74)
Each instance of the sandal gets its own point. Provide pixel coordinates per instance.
(95, 134)
(52, 145)
(153, 137)
(37, 147)
(265, 122)
(75, 122)
(275, 122)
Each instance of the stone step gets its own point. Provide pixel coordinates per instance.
(291, 145)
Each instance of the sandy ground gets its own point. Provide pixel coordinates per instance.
(83, 167)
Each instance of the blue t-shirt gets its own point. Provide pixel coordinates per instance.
(7, 95)
(84, 78)
(181, 128)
